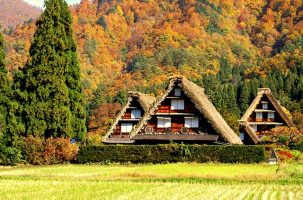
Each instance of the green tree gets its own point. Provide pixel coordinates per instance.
(244, 97)
(4, 90)
(231, 101)
(9, 128)
(51, 78)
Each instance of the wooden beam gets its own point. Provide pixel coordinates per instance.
(174, 114)
(129, 120)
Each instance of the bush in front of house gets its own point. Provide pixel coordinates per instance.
(40, 151)
(284, 137)
(171, 153)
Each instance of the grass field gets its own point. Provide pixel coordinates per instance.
(168, 181)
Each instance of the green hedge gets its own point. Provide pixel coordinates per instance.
(171, 153)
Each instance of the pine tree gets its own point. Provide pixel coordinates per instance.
(51, 79)
(244, 97)
(231, 102)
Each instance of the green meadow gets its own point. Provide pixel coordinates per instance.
(163, 181)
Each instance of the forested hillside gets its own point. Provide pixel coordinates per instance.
(229, 47)
(15, 12)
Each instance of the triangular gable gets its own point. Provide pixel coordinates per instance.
(273, 101)
(263, 92)
(199, 99)
(145, 102)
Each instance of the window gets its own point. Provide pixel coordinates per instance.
(177, 92)
(191, 122)
(259, 115)
(271, 115)
(177, 104)
(164, 122)
(126, 127)
(242, 136)
(136, 114)
(265, 105)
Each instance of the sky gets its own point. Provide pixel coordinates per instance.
(40, 3)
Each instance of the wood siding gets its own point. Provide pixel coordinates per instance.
(178, 121)
(127, 116)
(265, 116)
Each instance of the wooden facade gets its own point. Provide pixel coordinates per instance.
(182, 118)
(265, 117)
(264, 114)
(129, 118)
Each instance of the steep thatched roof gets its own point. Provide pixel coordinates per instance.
(251, 132)
(273, 101)
(201, 102)
(144, 100)
(244, 120)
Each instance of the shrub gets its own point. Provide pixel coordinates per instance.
(298, 146)
(9, 155)
(33, 150)
(283, 136)
(58, 150)
(171, 153)
(287, 155)
(38, 151)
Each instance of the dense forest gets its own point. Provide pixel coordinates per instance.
(231, 48)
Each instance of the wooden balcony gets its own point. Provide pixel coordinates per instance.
(174, 114)
(177, 137)
(119, 141)
(261, 120)
(264, 110)
(265, 123)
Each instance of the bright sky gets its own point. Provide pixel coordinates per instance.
(40, 3)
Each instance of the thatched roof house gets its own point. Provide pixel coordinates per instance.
(265, 112)
(202, 104)
(140, 101)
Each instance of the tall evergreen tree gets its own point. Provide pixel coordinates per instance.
(9, 128)
(244, 97)
(51, 79)
(231, 102)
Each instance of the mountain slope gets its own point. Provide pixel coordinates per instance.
(191, 37)
(14, 12)
(231, 47)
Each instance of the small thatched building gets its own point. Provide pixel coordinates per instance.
(183, 113)
(137, 105)
(264, 113)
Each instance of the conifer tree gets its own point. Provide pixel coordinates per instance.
(231, 102)
(244, 97)
(51, 78)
